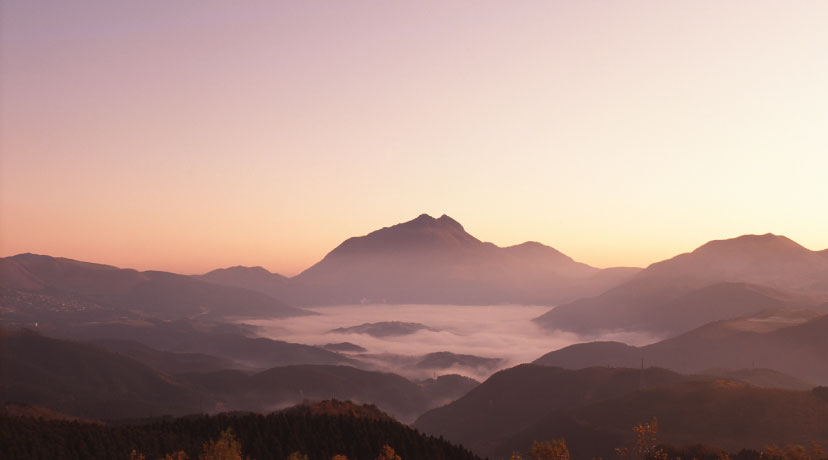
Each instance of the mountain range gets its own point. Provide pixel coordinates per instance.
(39, 287)
(594, 409)
(793, 342)
(110, 379)
(431, 261)
(720, 280)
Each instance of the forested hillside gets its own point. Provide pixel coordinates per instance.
(320, 432)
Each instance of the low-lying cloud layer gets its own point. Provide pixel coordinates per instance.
(504, 331)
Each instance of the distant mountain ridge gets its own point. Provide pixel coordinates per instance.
(432, 261)
(721, 279)
(64, 282)
(87, 380)
(798, 349)
(253, 278)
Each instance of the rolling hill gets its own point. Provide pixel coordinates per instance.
(791, 342)
(516, 398)
(594, 409)
(253, 278)
(226, 341)
(721, 413)
(35, 285)
(87, 380)
(84, 380)
(320, 431)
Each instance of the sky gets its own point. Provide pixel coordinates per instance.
(191, 135)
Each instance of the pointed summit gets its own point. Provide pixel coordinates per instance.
(428, 260)
(753, 243)
(425, 220)
(422, 219)
(446, 220)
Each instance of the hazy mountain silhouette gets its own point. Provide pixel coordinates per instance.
(446, 388)
(446, 360)
(433, 261)
(83, 379)
(344, 347)
(727, 414)
(224, 341)
(384, 328)
(514, 399)
(281, 387)
(594, 409)
(253, 278)
(284, 386)
(167, 361)
(766, 340)
(719, 280)
(87, 381)
(155, 293)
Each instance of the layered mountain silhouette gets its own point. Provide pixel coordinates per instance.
(319, 430)
(84, 380)
(384, 329)
(432, 261)
(723, 413)
(227, 342)
(446, 360)
(719, 280)
(253, 278)
(517, 398)
(87, 380)
(34, 286)
(281, 387)
(784, 341)
(594, 409)
(344, 347)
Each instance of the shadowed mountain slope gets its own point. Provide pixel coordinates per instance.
(594, 409)
(84, 380)
(223, 341)
(719, 280)
(110, 289)
(253, 278)
(166, 361)
(319, 430)
(767, 341)
(514, 399)
(730, 415)
(435, 261)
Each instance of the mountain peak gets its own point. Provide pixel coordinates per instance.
(243, 269)
(425, 220)
(752, 243)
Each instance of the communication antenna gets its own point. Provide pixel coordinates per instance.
(642, 384)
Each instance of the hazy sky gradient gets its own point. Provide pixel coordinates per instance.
(191, 135)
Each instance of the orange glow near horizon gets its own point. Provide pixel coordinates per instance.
(196, 135)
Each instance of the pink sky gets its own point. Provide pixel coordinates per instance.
(190, 135)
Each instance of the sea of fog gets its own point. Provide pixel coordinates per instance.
(503, 331)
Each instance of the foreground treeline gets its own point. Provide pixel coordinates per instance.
(261, 437)
(647, 447)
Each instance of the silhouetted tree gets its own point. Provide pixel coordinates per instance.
(388, 453)
(646, 444)
(226, 447)
(549, 450)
